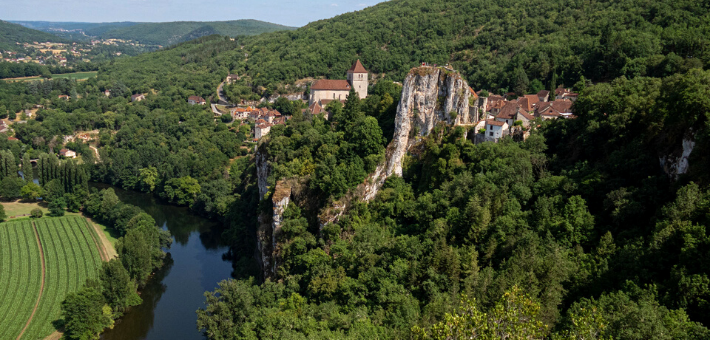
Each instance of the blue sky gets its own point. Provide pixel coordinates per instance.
(285, 12)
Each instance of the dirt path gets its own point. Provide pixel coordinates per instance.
(54, 336)
(109, 250)
(96, 152)
(41, 287)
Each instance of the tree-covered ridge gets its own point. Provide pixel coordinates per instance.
(581, 217)
(495, 44)
(12, 33)
(169, 33)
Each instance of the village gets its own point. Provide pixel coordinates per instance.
(492, 116)
(64, 54)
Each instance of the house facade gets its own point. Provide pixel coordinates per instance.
(195, 100)
(496, 129)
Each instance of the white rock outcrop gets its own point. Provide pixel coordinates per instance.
(676, 165)
(430, 96)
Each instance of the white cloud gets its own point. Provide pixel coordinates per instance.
(333, 5)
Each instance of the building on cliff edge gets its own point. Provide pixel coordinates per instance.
(328, 89)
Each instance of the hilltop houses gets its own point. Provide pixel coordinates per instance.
(196, 100)
(505, 116)
(329, 89)
(137, 97)
(263, 119)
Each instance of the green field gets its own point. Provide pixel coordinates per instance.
(70, 256)
(77, 75)
(20, 276)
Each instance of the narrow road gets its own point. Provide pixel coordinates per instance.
(41, 287)
(220, 93)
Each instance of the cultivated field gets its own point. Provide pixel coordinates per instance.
(20, 276)
(77, 75)
(70, 252)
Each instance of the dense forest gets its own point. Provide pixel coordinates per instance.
(577, 232)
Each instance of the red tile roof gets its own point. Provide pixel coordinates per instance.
(196, 99)
(315, 108)
(494, 122)
(357, 68)
(328, 84)
(509, 111)
(543, 93)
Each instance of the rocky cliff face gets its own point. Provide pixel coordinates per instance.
(430, 96)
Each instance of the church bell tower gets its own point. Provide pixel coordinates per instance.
(357, 77)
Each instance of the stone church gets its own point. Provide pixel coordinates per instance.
(326, 90)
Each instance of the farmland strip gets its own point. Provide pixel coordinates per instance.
(41, 288)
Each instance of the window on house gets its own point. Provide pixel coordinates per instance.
(491, 133)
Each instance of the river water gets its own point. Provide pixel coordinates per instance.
(175, 292)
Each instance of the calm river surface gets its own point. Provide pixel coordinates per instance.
(172, 296)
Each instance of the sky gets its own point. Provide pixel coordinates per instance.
(284, 12)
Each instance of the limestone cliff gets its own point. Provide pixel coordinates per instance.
(430, 96)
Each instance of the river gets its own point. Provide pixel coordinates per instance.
(175, 292)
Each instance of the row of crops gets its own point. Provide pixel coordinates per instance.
(70, 255)
(20, 276)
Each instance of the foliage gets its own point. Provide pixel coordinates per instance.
(514, 316)
(85, 313)
(181, 191)
(36, 213)
(3, 215)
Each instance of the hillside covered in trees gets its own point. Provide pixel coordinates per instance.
(495, 44)
(169, 33)
(157, 33)
(13, 33)
(578, 230)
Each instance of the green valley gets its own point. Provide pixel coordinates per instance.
(446, 169)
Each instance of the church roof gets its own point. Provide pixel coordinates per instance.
(357, 68)
(329, 84)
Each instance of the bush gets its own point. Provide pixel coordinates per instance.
(36, 213)
(226, 118)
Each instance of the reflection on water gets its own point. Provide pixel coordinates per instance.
(171, 297)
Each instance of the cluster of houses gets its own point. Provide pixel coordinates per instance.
(263, 119)
(503, 112)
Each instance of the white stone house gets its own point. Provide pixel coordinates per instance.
(496, 129)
